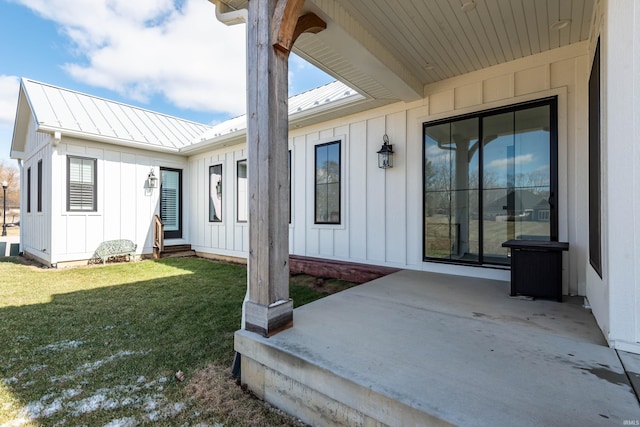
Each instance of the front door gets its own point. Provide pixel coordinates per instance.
(171, 202)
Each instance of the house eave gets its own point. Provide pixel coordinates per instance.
(303, 118)
(17, 155)
(226, 140)
(104, 139)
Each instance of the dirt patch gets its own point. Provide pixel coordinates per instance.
(215, 391)
(320, 284)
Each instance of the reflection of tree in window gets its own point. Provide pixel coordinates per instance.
(327, 183)
(215, 193)
(487, 179)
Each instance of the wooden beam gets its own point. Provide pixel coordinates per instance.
(308, 23)
(288, 24)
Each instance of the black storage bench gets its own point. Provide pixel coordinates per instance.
(536, 268)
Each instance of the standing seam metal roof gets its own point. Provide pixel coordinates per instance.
(56, 108)
(323, 96)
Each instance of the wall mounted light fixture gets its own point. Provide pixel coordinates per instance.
(385, 155)
(152, 180)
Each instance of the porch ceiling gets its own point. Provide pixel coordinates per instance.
(391, 50)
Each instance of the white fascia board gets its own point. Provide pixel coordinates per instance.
(345, 36)
(406, 88)
(17, 155)
(229, 16)
(105, 139)
(240, 136)
(226, 140)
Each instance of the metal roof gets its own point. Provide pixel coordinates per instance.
(329, 96)
(70, 112)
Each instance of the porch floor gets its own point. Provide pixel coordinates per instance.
(416, 348)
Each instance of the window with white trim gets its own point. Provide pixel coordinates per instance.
(242, 191)
(215, 193)
(327, 183)
(81, 184)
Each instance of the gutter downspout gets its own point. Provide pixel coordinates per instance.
(229, 16)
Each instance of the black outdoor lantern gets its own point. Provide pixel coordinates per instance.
(385, 155)
(152, 181)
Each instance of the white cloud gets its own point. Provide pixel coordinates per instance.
(303, 75)
(9, 86)
(519, 161)
(141, 49)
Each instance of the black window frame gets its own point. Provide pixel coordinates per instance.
(172, 234)
(29, 190)
(39, 187)
(94, 201)
(246, 177)
(290, 189)
(214, 192)
(552, 102)
(315, 183)
(595, 190)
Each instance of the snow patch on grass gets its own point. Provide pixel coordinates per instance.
(61, 345)
(31, 369)
(151, 407)
(8, 381)
(89, 367)
(122, 422)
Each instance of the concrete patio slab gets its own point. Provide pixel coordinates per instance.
(417, 348)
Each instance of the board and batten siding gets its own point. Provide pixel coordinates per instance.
(229, 237)
(381, 219)
(35, 227)
(125, 207)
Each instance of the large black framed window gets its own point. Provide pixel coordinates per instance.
(595, 230)
(327, 183)
(81, 184)
(215, 193)
(490, 177)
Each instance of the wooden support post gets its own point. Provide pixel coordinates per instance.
(272, 28)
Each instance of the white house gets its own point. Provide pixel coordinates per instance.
(507, 120)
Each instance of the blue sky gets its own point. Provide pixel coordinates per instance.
(170, 56)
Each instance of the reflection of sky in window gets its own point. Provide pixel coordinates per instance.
(531, 155)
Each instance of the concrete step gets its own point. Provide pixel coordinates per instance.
(178, 254)
(301, 386)
(177, 251)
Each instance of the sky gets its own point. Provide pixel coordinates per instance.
(169, 56)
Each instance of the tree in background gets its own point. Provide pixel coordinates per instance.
(11, 174)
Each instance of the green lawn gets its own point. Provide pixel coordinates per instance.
(101, 345)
